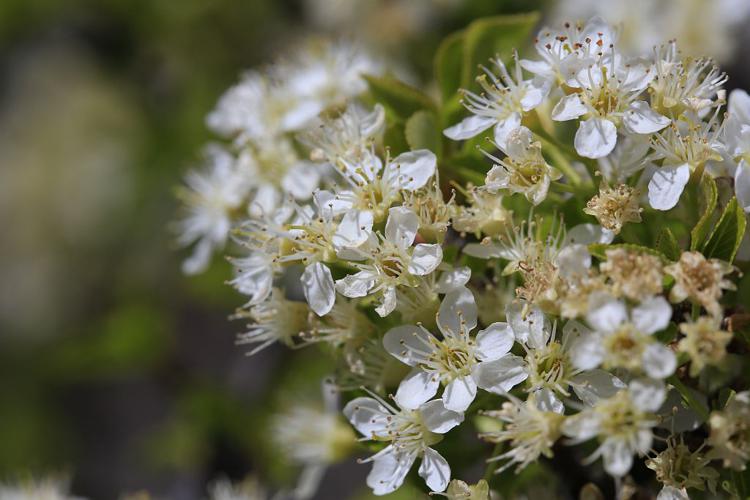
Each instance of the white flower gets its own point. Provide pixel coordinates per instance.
(324, 75)
(702, 28)
(456, 360)
(685, 146)
(622, 423)
(249, 489)
(312, 434)
(391, 261)
(504, 101)
(685, 84)
(530, 430)
(410, 431)
(561, 50)
(370, 187)
(629, 156)
(609, 98)
(248, 109)
(347, 140)
(210, 199)
(262, 107)
(742, 185)
(737, 124)
(548, 361)
(44, 489)
(277, 319)
(623, 339)
(524, 169)
(310, 239)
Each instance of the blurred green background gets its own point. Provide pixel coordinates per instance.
(115, 369)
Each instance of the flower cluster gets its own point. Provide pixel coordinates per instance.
(576, 289)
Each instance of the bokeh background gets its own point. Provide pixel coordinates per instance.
(116, 371)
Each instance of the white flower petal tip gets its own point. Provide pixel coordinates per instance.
(595, 138)
(666, 186)
(469, 127)
(318, 287)
(641, 119)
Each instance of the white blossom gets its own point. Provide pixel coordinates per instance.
(457, 360)
(410, 430)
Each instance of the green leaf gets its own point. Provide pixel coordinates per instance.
(599, 250)
(726, 238)
(490, 36)
(422, 132)
(708, 205)
(667, 244)
(402, 99)
(448, 63)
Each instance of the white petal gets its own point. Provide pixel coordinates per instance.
(330, 204)
(535, 92)
(659, 361)
(652, 315)
(402, 226)
(425, 259)
(417, 388)
(409, 344)
(617, 457)
(501, 375)
(356, 285)
(266, 199)
(547, 400)
(586, 234)
(666, 186)
(582, 426)
(641, 119)
(301, 180)
(451, 280)
(606, 313)
(742, 185)
(411, 170)
(647, 394)
(533, 330)
(368, 416)
(505, 127)
(574, 260)
(435, 470)
(568, 108)
(437, 418)
(317, 284)
(593, 385)
(537, 67)
(200, 258)
(494, 342)
(373, 123)
(469, 127)
(672, 493)
(739, 104)
(354, 229)
(254, 277)
(457, 309)
(387, 302)
(587, 351)
(595, 138)
(389, 471)
(518, 142)
(459, 393)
